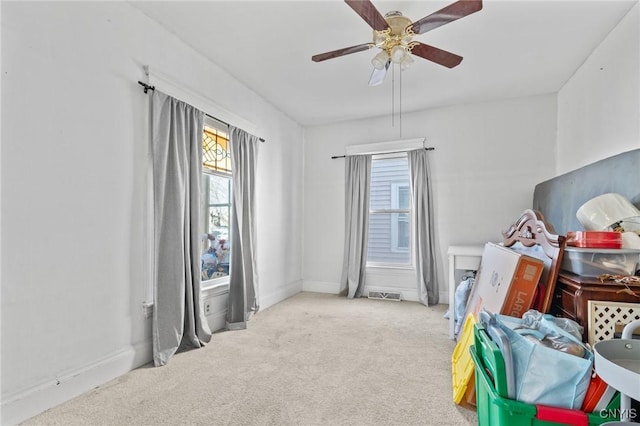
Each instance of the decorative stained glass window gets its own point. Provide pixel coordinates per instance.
(215, 150)
(215, 202)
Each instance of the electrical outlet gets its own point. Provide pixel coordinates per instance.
(147, 310)
(207, 308)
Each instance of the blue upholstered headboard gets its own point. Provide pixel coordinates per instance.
(558, 199)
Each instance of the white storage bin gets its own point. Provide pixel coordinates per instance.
(592, 262)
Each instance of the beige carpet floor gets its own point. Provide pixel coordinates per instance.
(313, 359)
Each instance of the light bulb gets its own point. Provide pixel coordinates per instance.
(398, 54)
(380, 60)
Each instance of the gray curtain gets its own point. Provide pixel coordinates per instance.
(243, 285)
(423, 223)
(357, 189)
(176, 137)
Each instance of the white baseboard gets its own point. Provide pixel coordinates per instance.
(334, 288)
(218, 299)
(283, 293)
(26, 403)
(29, 402)
(321, 287)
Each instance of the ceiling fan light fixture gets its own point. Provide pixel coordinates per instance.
(380, 60)
(398, 54)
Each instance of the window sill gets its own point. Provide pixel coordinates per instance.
(215, 287)
(211, 289)
(400, 267)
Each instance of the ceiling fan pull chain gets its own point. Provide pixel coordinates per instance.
(393, 95)
(400, 104)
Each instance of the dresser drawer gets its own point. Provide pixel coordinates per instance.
(558, 310)
(573, 292)
(563, 303)
(566, 300)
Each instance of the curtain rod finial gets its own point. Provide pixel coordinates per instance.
(146, 86)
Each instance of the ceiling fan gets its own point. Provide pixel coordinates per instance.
(393, 35)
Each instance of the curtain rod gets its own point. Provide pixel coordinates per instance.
(147, 87)
(392, 152)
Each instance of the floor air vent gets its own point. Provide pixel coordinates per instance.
(383, 295)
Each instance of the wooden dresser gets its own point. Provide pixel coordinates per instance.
(573, 292)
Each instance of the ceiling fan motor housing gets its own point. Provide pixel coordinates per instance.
(395, 35)
(397, 22)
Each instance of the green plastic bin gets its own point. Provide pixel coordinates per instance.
(494, 409)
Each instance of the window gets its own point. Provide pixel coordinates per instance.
(389, 211)
(216, 198)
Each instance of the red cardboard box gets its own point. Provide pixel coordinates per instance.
(506, 282)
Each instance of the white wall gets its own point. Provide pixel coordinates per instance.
(74, 155)
(599, 107)
(73, 186)
(487, 160)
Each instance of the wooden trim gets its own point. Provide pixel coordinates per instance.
(531, 230)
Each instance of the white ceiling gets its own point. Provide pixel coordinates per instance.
(511, 48)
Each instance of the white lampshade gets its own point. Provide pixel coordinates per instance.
(379, 38)
(380, 60)
(406, 62)
(398, 53)
(603, 211)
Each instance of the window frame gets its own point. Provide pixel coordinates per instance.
(394, 224)
(219, 281)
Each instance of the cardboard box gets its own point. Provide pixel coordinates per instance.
(506, 282)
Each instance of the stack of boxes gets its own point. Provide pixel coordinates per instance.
(506, 283)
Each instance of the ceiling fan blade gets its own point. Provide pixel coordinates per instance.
(377, 76)
(436, 55)
(369, 13)
(341, 52)
(447, 14)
